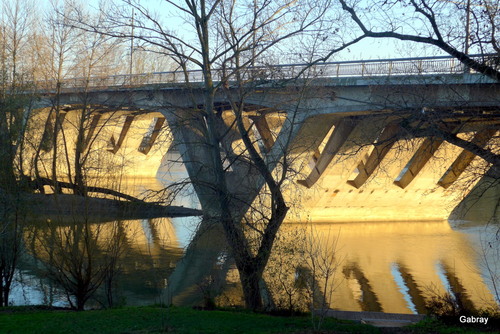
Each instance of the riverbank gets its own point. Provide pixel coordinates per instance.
(99, 209)
(152, 319)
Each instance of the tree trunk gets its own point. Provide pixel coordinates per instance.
(250, 277)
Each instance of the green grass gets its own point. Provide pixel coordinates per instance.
(430, 325)
(142, 320)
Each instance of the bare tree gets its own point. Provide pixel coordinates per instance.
(458, 28)
(15, 107)
(79, 256)
(224, 40)
(11, 229)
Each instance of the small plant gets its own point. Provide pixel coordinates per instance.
(448, 305)
(451, 306)
(285, 276)
(322, 261)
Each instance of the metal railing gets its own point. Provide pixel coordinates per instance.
(358, 68)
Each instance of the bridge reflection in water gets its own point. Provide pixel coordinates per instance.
(380, 266)
(396, 266)
(149, 251)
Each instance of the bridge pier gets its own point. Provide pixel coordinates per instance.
(243, 181)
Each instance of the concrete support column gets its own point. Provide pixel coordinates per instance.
(384, 144)
(123, 133)
(339, 136)
(418, 161)
(465, 158)
(265, 133)
(150, 138)
(189, 134)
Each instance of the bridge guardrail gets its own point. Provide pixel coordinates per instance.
(360, 68)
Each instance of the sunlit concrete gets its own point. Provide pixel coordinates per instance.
(334, 198)
(336, 192)
(114, 145)
(465, 158)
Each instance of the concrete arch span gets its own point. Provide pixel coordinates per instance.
(326, 123)
(369, 169)
(107, 144)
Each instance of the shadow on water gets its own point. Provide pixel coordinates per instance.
(386, 267)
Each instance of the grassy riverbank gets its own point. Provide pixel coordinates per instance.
(143, 320)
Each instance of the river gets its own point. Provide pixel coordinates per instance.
(379, 266)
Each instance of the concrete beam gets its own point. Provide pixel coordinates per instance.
(424, 153)
(465, 158)
(339, 136)
(93, 126)
(264, 131)
(385, 142)
(126, 126)
(312, 132)
(149, 139)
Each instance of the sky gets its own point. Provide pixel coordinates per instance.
(366, 49)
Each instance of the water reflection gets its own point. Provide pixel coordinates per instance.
(389, 267)
(395, 266)
(141, 253)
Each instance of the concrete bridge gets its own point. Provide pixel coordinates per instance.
(345, 120)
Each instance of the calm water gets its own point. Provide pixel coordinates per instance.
(381, 266)
(391, 267)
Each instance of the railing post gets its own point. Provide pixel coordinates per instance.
(390, 67)
(362, 69)
(338, 70)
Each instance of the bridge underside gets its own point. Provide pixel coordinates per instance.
(370, 169)
(355, 156)
(107, 145)
(352, 168)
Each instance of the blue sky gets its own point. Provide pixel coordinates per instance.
(366, 49)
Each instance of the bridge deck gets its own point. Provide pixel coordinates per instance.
(341, 69)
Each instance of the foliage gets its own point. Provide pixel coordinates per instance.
(286, 274)
(449, 306)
